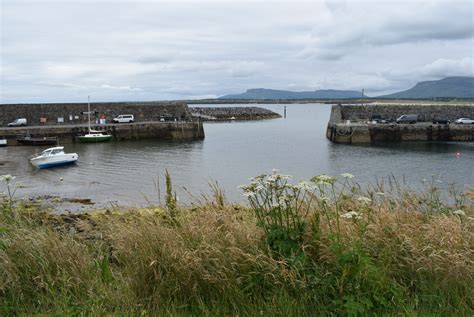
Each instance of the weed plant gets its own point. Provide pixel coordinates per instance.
(322, 247)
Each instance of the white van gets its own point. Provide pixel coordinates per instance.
(18, 123)
(124, 118)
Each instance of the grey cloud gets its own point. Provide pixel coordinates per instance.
(58, 51)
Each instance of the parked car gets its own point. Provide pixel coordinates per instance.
(18, 122)
(378, 119)
(464, 121)
(441, 121)
(124, 118)
(408, 118)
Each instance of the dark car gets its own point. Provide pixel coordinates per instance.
(441, 121)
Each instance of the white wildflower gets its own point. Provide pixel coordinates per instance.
(306, 186)
(249, 194)
(365, 200)
(323, 180)
(470, 218)
(347, 175)
(459, 212)
(324, 198)
(282, 201)
(271, 179)
(351, 215)
(380, 193)
(7, 178)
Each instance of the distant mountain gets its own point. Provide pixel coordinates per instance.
(261, 93)
(449, 87)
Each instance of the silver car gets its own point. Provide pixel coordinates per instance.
(464, 121)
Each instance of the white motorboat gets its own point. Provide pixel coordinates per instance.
(53, 157)
(3, 142)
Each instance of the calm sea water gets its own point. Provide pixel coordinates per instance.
(232, 152)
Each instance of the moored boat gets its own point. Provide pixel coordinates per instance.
(29, 140)
(53, 157)
(3, 142)
(93, 136)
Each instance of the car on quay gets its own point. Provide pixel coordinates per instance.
(408, 118)
(124, 118)
(464, 121)
(18, 123)
(440, 121)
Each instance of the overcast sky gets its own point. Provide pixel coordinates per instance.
(60, 51)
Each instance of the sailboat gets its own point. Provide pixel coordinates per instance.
(93, 136)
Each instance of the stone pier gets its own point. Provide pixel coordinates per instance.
(351, 124)
(160, 120)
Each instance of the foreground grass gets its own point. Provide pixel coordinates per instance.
(385, 254)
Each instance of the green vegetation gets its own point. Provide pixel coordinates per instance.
(323, 247)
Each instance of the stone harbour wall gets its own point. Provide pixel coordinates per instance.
(349, 124)
(179, 130)
(71, 113)
(229, 113)
(424, 112)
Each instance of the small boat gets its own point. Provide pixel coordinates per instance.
(53, 157)
(29, 140)
(3, 142)
(93, 136)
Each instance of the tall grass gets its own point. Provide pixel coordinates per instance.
(322, 247)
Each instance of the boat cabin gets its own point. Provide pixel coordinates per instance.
(53, 151)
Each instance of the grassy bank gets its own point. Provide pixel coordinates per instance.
(315, 248)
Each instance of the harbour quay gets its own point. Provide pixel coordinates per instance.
(161, 120)
(376, 123)
(233, 113)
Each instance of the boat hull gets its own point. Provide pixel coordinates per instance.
(38, 141)
(55, 164)
(94, 139)
(57, 160)
(3, 143)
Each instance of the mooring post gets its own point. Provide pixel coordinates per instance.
(284, 112)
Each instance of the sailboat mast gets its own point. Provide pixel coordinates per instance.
(89, 112)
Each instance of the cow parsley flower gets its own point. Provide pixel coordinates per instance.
(306, 186)
(7, 178)
(459, 212)
(347, 175)
(324, 198)
(249, 194)
(351, 215)
(323, 180)
(364, 200)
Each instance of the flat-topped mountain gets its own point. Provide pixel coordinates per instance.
(449, 87)
(262, 93)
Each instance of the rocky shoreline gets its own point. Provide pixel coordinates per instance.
(232, 113)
